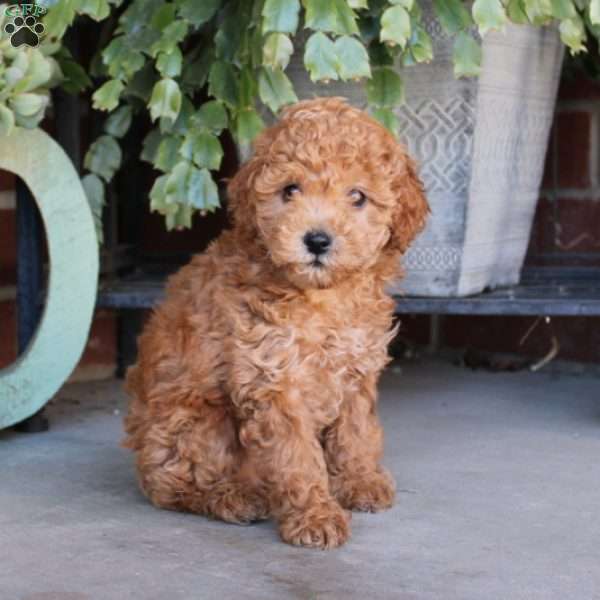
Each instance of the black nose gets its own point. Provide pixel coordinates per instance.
(317, 242)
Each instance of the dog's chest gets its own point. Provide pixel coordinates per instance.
(316, 355)
(333, 360)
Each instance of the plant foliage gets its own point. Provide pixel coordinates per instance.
(199, 67)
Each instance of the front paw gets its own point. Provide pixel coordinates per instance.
(370, 492)
(326, 526)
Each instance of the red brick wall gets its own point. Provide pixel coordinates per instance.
(567, 226)
(566, 232)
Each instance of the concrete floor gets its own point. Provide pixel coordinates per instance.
(498, 498)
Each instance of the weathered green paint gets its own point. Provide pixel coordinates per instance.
(27, 384)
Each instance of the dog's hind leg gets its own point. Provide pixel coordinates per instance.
(191, 462)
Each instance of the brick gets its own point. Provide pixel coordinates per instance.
(548, 178)
(578, 338)
(8, 333)
(573, 133)
(542, 230)
(102, 341)
(8, 247)
(577, 88)
(99, 357)
(578, 225)
(7, 180)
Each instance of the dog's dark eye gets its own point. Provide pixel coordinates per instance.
(289, 191)
(358, 198)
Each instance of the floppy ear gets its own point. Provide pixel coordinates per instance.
(411, 209)
(240, 203)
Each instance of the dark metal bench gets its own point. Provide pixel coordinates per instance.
(543, 291)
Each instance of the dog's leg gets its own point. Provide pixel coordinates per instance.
(287, 456)
(353, 448)
(190, 462)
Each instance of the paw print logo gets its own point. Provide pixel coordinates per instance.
(24, 31)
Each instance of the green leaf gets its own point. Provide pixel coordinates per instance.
(169, 64)
(248, 89)
(195, 72)
(142, 83)
(29, 121)
(186, 114)
(395, 26)
(198, 13)
(184, 120)
(150, 146)
(466, 56)
(572, 33)
(407, 4)
(205, 194)
(275, 89)
(27, 104)
(352, 58)
(489, 14)
(158, 192)
(280, 15)
(595, 12)
(170, 38)
(59, 18)
(97, 9)
(335, 16)
(387, 118)
(212, 116)
(420, 47)
(277, 51)
(163, 16)
(320, 57)
(254, 48)
(180, 218)
(358, 4)
(167, 153)
(233, 24)
(380, 55)
(538, 11)
(453, 15)
(103, 157)
(118, 122)
(75, 77)
(563, 9)
(346, 18)
(158, 196)
(223, 83)
(248, 125)
(7, 120)
(94, 191)
(121, 59)
(385, 89)
(137, 15)
(203, 148)
(165, 100)
(37, 73)
(516, 12)
(178, 184)
(189, 185)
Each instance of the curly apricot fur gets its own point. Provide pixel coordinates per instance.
(255, 389)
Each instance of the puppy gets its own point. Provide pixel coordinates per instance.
(255, 389)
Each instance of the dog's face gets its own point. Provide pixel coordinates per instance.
(328, 192)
